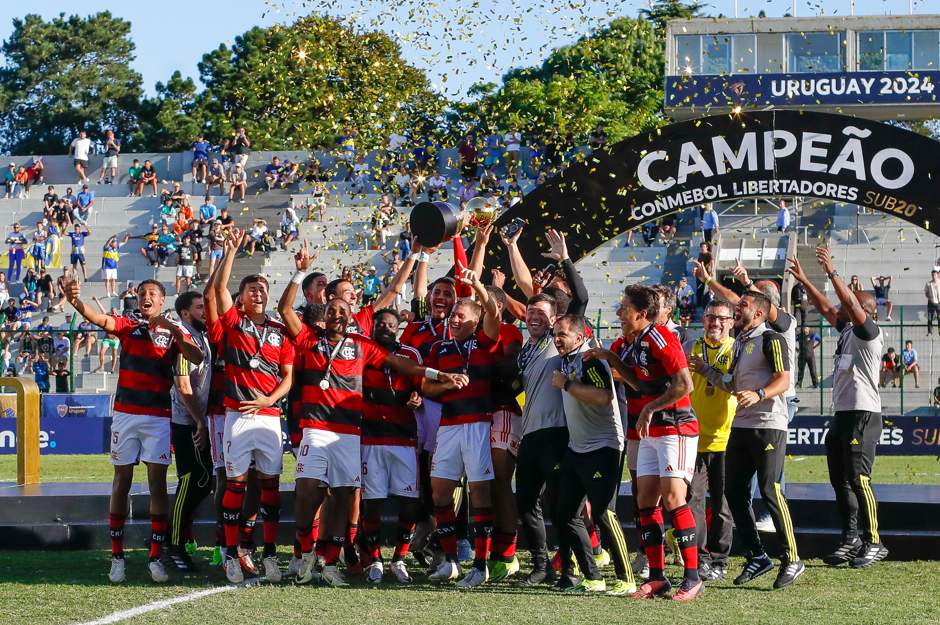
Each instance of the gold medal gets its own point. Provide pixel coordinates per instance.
(709, 390)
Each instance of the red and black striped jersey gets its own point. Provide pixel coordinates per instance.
(631, 400)
(655, 356)
(422, 335)
(361, 322)
(386, 417)
(243, 342)
(216, 406)
(146, 375)
(337, 408)
(475, 357)
(504, 396)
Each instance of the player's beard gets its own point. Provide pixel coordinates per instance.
(199, 325)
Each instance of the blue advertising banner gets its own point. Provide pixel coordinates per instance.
(901, 436)
(73, 405)
(62, 436)
(897, 87)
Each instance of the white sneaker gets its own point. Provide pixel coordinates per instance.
(308, 568)
(233, 571)
(294, 567)
(446, 572)
(117, 570)
(401, 572)
(765, 524)
(271, 571)
(641, 566)
(333, 577)
(374, 573)
(474, 578)
(157, 572)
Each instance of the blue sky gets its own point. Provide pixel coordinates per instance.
(457, 42)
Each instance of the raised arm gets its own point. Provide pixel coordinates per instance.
(72, 290)
(285, 305)
(479, 249)
(702, 273)
(394, 288)
(223, 299)
(822, 304)
(515, 307)
(98, 303)
(460, 262)
(742, 276)
(491, 321)
(857, 315)
(208, 294)
(579, 293)
(520, 272)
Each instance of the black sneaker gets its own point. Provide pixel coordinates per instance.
(869, 554)
(182, 560)
(788, 573)
(537, 577)
(566, 581)
(715, 573)
(754, 568)
(846, 552)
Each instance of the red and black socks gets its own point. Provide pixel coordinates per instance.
(653, 538)
(503, 547)
(370, 540)
(403, 535)
(683, 528)
(116, 524)
(270, 513)
(482, 533)
(447, 530)
(157, 535)
(232, 514)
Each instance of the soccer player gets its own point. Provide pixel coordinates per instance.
(714, 409)
(259, 371)
(759, 377)
(853, 438)
(591, 467)
(140, 429)
(189, 432)
(331, 401)
(463, 441)
(668, 430)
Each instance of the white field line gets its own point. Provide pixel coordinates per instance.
(123, 615)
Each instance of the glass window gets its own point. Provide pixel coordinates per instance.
(871, 49)
(770, 53)
(926, 49)
(898, 50)
(744, 53)
(815, 52)
(716, 54)
(689, 55)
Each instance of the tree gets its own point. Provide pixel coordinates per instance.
(661, 11)
(299, 86)
(63, 76)
(170, 121)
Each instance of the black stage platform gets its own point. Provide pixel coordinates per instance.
(74, 516)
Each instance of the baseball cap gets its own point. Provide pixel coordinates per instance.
(84, 186)
(372, 268)
(176, 184)
(215, 160)
(12, 164)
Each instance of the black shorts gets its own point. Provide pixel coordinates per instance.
(82, 162)
(199, 161)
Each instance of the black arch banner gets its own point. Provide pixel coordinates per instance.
(728, 157)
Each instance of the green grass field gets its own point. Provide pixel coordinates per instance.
(54, 589)
(888, 469)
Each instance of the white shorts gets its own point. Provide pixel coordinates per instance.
(463, 450)
(185, 271)
(110, 274)
(389, 470)
(217, 439)
(667, 456)
(504, 433)
(633, 448)
(136, 438)
(428, 417)
(329, 457)
(881, 301)
(252, 437)
(109, 161)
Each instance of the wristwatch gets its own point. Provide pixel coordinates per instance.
(567, 384)
(833, 274)
(761, 393)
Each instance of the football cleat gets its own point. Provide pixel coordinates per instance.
(464, 551)
(294, 566)
(641, 566)
(445, 572)
(233, 571)
(755, 567)
(333, 577)
(502, 570)
(117, 570)
(715, 573)
(652, 588)
(474, 577)
(589, 585)
(788, 573)
(191, 546)
(218, 558)
(308, 568)
(690, 589)
(157, 572)
(538, 576)
(375, 572)
(565, 582)
(674, 546)
(846, 552)
(602, 559)
(271, 571)
(401, 572)
(621, 588)
(870, 554)
(247, 564)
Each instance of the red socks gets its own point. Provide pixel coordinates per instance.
(482, 532)
(157, 535)
(653, 540)
(371, 547)
(403, 534)
(116, 523)
(270, 512)
(683, 528)
(447, 529)
(232, 513)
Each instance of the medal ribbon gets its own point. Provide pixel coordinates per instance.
(471, 342)
(325, 347)
(262, 338)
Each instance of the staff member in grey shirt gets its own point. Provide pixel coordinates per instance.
(188, 431)
(759, 377)
(853, 437)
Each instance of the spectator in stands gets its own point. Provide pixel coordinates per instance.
(855, 285)
(78, 248)
(108, 342)
(166, 245)
(200, 151)
(24, 315)
(882, 290)
(129, 301)
(667, 228)
(404, 240)
(257, 235)
(513, 193)
(109, 262)
(180, 225)
(84, 206)
(783, 217)
(437, 187)
(386, 171)
(69, 198)
(35, 170)
(186, 211)
(513, 140)
(148, 177)
(216, 245)
(319, 194)
(467, 153)
(17, 242)
(932, 293)
(224, 219)
(272, 173)
(149, 250)
(649, 230)
(9, 180)
(239, 183)
(468, 190)
(168, 211)
(22, 183)
(30, 283)
(890, 368)
(598, 138)
(371, 284)
(61, 374)
(135, 184)
(61, 346)
(799, 301)
(50, 200)
(60, 283)
(240, 148)
(493, 149)
(290, 226)
(215, 176)
(709, 222)
(177, 195)
(46, 288)
(380, 222)
(909, 362)
(686, 297)
(185, 262)
(85, 336)
(208, 214)
(112, 147)
(38, 250)
(225, 155)
(4, 289)
(41, 372)
(490, 183)
(402, 186)
(196, 236)
(346, 150)
(79, 150)
(809, 341)
(62, 214)
(705, 256)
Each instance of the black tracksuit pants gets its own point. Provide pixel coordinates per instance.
(196, 478)
(850, 452)
(714, 541)
(537, 468)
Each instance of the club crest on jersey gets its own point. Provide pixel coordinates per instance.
(161, 340)
(275, 339)
(750, 348)
(642, 358)
(347, 353)
(722, 360)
